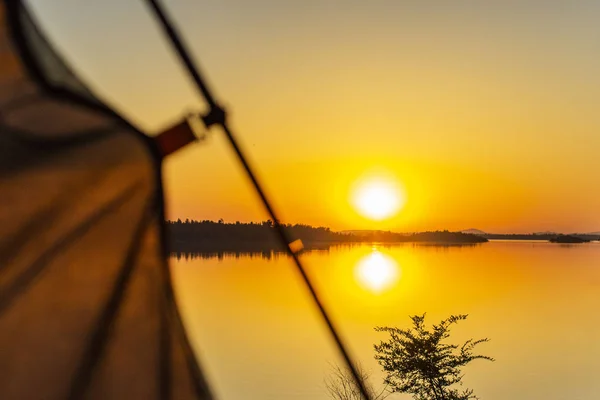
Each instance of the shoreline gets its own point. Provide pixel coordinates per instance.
(258, 247)
(213, 248)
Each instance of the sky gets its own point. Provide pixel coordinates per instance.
(484, 112)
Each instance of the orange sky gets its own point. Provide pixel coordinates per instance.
(486, 113)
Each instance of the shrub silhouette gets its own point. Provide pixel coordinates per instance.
(418, 362)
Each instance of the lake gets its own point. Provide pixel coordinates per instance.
(258, 336)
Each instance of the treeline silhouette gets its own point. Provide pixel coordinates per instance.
(536, 236)
(192, 236)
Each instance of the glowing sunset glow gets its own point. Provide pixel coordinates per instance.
(377, 272)
(377, 198)
(452, 100)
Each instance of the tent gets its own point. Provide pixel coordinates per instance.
(86, 302)
(87, 309)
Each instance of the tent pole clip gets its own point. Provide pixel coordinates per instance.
(216, 116)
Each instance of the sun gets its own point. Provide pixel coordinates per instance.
(377, 198)
(377, 272)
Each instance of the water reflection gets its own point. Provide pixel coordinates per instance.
(260, 338)
(268, 254)
(221, 255)
(377, 271)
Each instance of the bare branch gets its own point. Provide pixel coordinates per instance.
(340, 385)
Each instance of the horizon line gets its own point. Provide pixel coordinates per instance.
(483, 232)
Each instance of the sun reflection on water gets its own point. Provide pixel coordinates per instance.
(377, 272)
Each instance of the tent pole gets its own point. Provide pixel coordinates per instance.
(217, 116)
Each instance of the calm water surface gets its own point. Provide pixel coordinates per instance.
(259, 337)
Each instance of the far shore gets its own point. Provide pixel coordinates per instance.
(206, 236)
(219, 236)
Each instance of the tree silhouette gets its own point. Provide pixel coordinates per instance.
(205, 235)
(340, 385)
(418, 362)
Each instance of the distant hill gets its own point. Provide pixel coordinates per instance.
(473, 231)
(519, 236)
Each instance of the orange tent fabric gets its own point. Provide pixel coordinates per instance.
(86, 304)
